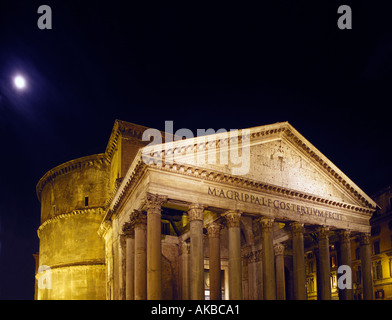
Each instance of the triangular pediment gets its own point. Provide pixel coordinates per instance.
(281, 164)
(278, 156)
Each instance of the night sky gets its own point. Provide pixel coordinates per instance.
(228, 65)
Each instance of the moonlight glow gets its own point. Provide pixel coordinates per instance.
(20, 82)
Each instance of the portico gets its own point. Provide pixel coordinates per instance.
(195, 230)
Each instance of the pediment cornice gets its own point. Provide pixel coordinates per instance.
(283, 131)
(334, 173)
(252, 185)
(231, 181)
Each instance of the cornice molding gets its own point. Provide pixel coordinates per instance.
(139, 167)
(97, 210)
(134, 173)
(82, 265)
(236, 181)
(327, 166)
(80, 163)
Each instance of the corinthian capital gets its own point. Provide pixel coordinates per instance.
(233, 218)
(297, 228)
(213, 229)
(196, 212)
(154, 202)
(139, 219)
(266, 224)
(279, 249)
(344, 236)
(364, 239)
(322, 233)
(184, 247)
(128, 229)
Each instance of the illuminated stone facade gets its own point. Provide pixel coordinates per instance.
(381, 246)
(131, 225)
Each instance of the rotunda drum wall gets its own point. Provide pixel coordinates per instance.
(80, 188)
(73, 239)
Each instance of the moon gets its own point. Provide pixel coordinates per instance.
(20, 82)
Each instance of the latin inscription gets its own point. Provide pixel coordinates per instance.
(271, 203)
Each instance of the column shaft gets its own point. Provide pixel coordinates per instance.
(279, 272)
(323, 264)
(140, 256)
(235, 263)
(185, 270)
(129, 233)
(122, 266)
(130, 269)
(196, 213)
(366, 266)
(268, 259)
(154, 255)
(213, 230)
(298, 261)
(344, 250)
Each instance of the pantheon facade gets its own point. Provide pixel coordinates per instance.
(176, 220)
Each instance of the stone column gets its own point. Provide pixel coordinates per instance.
(154, 252)
(268, 259)
(298, 261)
(279, 272)
(235, 264)
(323, 264)
(196, 217)
(122, 266)
(185, 272)
(129, 233)
(366, 266)
(344, 251)
(140, 222)
(213, 230)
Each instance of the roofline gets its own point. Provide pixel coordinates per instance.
(287, 132)
(348, 183)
